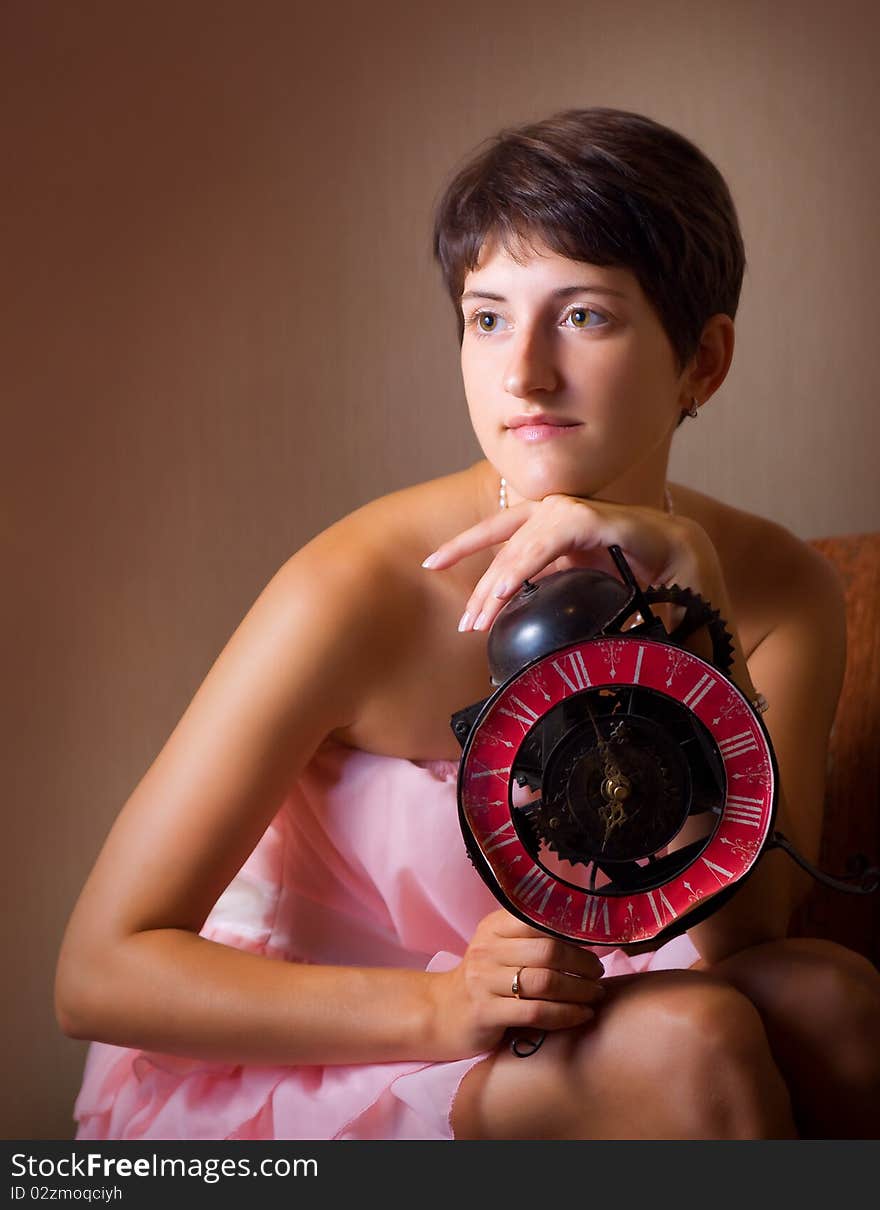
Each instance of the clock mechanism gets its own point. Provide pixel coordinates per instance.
(617, 786)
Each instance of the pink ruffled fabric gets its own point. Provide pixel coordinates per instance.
(363, 865)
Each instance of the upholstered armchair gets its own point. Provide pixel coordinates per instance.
(852, 814)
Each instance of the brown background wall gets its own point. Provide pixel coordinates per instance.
(222, 329)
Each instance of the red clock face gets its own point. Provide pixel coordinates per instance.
(614, 788)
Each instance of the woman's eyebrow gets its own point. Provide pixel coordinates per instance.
(562, 292)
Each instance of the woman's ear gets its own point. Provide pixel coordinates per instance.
(709, 365)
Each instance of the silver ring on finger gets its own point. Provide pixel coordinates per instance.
(516, 986)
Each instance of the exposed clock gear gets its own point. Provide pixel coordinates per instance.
(697, 613)
(614, 790)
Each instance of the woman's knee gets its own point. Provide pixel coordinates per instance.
(839, 995)
(813, 994)
(699, 1044)
(671, 1055)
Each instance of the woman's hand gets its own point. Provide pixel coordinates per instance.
(572, 532)
(475, 1003)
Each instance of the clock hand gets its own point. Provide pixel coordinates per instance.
(602, 745)
(613, 815)
(615, 788)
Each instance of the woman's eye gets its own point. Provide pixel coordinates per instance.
(586, 317)
(487, 321)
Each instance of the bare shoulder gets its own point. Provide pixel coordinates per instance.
(343, 591)
(362, 584)
(378, 549)
(773, 576)
(395, 624)
(417, 518)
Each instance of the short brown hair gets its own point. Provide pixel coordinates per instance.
(607, 187)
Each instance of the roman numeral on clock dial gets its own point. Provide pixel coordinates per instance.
(638, 668)
(661, 907)
(521, 712)
(501, 837)
(716, 870)
(698, 691)
(573, 671)
(595, 909)
(749, 811)
(736, 745)
(534, 888)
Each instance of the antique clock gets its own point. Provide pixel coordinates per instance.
(615, 788)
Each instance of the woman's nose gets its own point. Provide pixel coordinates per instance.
(531, 366)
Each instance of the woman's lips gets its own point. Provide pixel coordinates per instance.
(543, 432)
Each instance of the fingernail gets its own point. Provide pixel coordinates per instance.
(501, 590)
(432, 560)
(481, 622)
(465, 621)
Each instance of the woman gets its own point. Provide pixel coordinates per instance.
(355, 979)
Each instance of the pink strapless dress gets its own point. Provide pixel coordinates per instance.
(363, 865)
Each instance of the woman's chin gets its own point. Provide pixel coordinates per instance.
(540, 486)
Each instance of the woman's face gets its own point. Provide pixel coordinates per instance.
(570, 379)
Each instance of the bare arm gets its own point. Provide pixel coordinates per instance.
(799, 668)
(132, 969)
